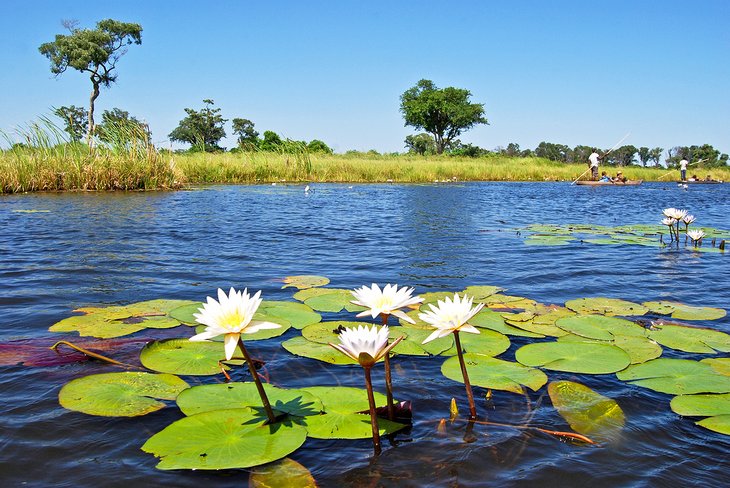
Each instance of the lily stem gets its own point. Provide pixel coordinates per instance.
(257, 380)
(469, 394)
(388, 377)
(373, 416)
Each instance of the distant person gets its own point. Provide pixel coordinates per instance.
(709, 178)
(620, 178)
(683, 168)
(605, 178)
(593, 163)
(693, 178)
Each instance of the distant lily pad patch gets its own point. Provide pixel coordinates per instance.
(681, 311)
(302, 282)
(120, 394)
(605, 306)
(676, 377)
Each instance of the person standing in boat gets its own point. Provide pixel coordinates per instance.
(683, 168)
(593, 163)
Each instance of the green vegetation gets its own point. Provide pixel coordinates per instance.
(92, 51)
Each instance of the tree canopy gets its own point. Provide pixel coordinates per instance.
(247, 138)
(92, 51)
(119, 128)
(202, 129)
(442, 112)
(74, 119)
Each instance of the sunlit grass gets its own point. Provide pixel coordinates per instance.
(47, 161)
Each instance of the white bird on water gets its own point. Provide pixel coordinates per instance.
(306, 189)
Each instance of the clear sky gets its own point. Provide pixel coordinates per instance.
(568, 72)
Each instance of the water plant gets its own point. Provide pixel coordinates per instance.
(452, 317)
(367, 346)
(384, 303)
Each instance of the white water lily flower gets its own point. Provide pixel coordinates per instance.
(668, 221)
(675, 213)
(365, 345)
(231, 315)
(695, 235)
(450, 316)
(387, 301)
(688, 219)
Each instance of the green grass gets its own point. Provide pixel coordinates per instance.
(48, 162)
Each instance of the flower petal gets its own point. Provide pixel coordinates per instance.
(230, 342)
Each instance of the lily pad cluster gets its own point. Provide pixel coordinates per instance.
(649, 235)
(224, 426)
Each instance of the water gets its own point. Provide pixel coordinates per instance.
(62, 251)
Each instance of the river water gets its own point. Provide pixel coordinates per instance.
(63, 251)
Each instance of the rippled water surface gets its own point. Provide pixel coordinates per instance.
(62, 251)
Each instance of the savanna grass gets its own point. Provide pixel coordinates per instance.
(47, 161)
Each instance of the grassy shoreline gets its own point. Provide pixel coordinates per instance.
(75, 168)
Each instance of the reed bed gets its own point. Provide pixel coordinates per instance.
(47, 161)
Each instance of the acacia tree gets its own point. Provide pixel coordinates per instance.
(118, 127)
(248, 138)
(202, 129)
(74, 119)
(92, 51)
(442, 112)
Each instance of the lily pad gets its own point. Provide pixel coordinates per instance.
(489, 372)
(639, 349)
(337, 425)
(335, 300)
(300, 346)
(718, 423)
(701, 405)
(302, 282)
(586, 411)
(413, 344)
(688, 312)
(721, 365)
(690, 339)
(605, 306)
(118, 321)
(676, 377)
(576, 357)
(325, 332)
(480, 292)
(224, 439)
(185, 357)
(600, 327)
(487, 342)
(125, 394)
(206, 398)
(489, 319)
(284, 473)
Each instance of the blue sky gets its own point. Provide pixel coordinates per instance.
(569, 72)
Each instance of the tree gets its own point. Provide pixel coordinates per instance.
(75, 121)
(118, 127)
(201, 129)
(644, 155)
(271, 141)
(317, 146)
(443, 113)
(92, 51)
(622, 156)
(655, 155)
(421, 144)
(581, 154)
(248, 138)
(553, 152)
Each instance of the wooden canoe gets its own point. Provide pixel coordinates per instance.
(609, 183)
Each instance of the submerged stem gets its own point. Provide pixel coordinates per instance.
(373, 416)
(469, 394)
(93, 354)
(257, 380)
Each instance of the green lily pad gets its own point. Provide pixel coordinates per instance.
(336, 425)
(120, 394)
(586, 411)
(223, 439)
(639, 349)
(324, 332)
(676, 377)
(489, 372)
(489, 319)
(298, 315)
(701, 405)
(185, 313)
(335, 300)
(690, 339)
(302, 282)
(480, 292)
(413, 344)
(118, 321)
(718, 423)
(600, 327)
(284, 473)
(181, 356)
(688, 312)
(345, 399)
(661, 307)
(576, 357)
(545, 240)
(300, 346)
(206, 398)
(721, 365)
(487, 342)
(605, 306)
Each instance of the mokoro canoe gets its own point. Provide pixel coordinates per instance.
(699, 182)
(609, 183)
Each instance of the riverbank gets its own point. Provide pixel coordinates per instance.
(75, 168)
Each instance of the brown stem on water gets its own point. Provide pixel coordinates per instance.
(388, 377)
(469, 394)
(93, 355)
(373, 416)
(257, 380)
